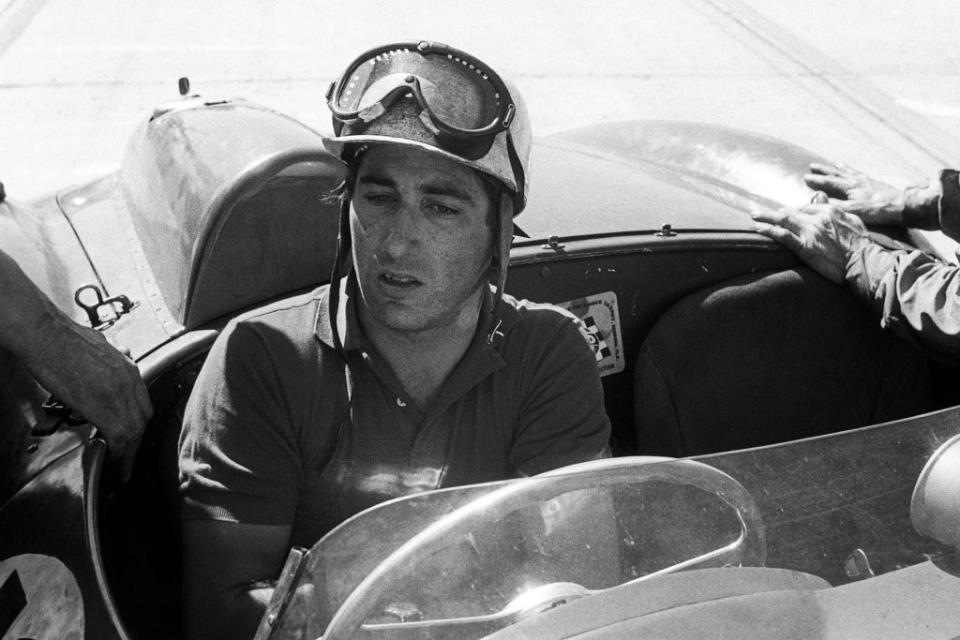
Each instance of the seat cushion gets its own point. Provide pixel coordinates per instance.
(766, 358)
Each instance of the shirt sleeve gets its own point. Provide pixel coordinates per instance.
(239, 458)
(562, 418)
(916, 295)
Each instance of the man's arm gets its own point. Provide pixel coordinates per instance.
(239, 483)
(228, 570)
(562, 417)
(913, 293)
(563, 421)
(821, 235)
(75, 363)
(932, 205)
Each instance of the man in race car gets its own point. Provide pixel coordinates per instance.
(412, 370)
(914, 293)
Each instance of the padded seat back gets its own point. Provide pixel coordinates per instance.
(766, 358)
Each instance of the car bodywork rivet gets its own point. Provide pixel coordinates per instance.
(553, 242)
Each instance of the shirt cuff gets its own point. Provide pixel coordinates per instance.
(870, 269)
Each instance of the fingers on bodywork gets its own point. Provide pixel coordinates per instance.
(780, 225)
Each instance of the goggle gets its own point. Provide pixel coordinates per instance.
(465, 100)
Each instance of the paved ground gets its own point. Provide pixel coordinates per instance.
(870, 83)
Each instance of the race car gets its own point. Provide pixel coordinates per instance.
(782, 464)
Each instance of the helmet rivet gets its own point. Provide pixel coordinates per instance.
(409, 79)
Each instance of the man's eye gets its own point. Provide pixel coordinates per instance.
(378, 198)
(443, 209)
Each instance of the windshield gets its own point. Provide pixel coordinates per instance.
(465, 562)
(522, 547)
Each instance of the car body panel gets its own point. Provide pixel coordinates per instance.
(54, 516)
(158, 218)
(42, 241)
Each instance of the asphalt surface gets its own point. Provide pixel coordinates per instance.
(871, 84)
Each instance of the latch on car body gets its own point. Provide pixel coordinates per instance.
(102, 312)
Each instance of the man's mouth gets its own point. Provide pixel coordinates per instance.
(398, 279)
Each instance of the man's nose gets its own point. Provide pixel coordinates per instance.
(402, 231)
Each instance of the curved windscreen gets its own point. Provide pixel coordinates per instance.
(468, 562)
(515, 549)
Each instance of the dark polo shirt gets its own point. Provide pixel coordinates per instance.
(281, 430)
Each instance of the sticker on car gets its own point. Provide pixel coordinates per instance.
(600, 327)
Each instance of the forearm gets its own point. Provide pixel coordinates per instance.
(26, 311)
(935, 205)
(914, 294)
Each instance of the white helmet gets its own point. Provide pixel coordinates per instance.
(432, 96)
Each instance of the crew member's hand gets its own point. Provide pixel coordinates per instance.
(88, 374)
(821, 235)
(873, 201)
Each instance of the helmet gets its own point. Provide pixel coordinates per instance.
(432, 96)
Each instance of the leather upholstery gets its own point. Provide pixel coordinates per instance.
(770, 357)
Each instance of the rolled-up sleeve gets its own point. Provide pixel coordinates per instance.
(915, 295)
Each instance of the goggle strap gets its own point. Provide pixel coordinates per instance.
(518, 174)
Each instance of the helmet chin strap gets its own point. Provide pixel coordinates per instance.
(503, 238)
(339, 270)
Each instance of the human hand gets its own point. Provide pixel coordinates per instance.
(873, 201)
(88, 374)
(820, 234)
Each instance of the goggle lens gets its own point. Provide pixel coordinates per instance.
(455, 90)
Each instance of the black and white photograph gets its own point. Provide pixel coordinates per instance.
(460, 320)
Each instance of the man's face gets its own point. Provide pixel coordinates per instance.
(421, 239)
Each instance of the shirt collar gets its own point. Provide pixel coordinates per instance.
(348, 324)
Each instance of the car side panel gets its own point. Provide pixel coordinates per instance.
(50, 523)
